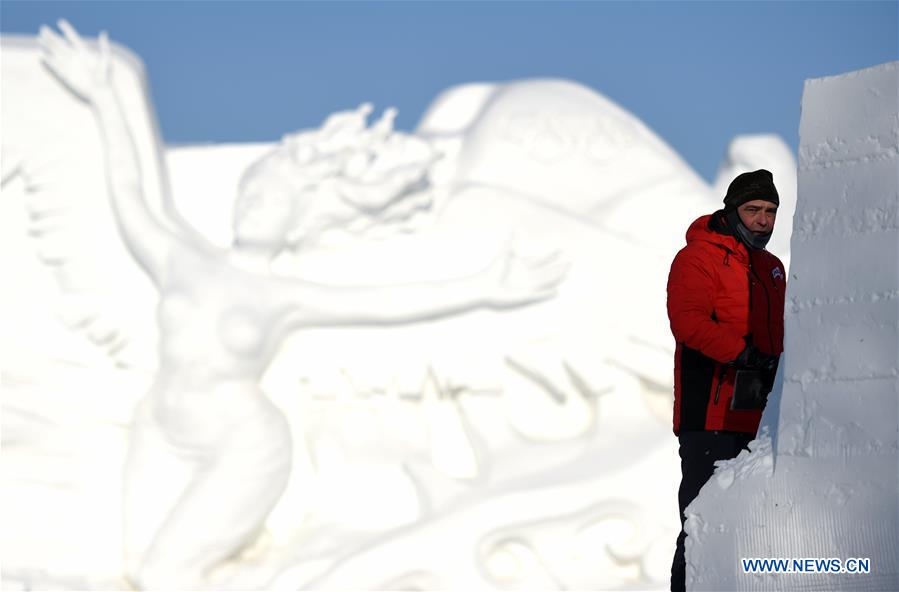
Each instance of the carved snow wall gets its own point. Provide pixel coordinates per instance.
(825, 485)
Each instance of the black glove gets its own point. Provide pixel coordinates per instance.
(752, 358)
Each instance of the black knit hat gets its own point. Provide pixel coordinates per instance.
(749, 186)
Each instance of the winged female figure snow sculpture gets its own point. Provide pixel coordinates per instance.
(524, 417)
(223, 448)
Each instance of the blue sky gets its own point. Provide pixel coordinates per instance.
(698, 73)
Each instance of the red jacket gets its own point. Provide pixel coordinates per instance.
(718, 292)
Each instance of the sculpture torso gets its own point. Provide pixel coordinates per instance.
(220, 328)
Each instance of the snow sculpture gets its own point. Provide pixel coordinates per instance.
(821, 480)
(497, 449)
(209, 454)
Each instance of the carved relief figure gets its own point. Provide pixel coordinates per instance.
(208, 449)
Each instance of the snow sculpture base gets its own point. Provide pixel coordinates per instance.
(826, 486)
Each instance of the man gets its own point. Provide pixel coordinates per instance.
(725, 305)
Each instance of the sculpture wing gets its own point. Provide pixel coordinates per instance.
(59, 212)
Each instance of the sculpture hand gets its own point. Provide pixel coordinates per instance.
(83, 69)
(516, 280)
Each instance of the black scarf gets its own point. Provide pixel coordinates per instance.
(728, 222)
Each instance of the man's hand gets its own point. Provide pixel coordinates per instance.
(752, 358)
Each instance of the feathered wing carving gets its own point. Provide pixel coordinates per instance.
(68, 388)
(52, 157)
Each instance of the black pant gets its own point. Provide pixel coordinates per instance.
(698, 453)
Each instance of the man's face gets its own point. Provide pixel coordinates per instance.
(758, 215)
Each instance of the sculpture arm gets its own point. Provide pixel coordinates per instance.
(86, 72)
(144, 235)
(507, 282)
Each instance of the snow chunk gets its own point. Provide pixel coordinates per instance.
(758, 460)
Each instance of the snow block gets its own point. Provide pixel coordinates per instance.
(827, 485)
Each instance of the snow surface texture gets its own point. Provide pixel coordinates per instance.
(826, 484)
(497, 450)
